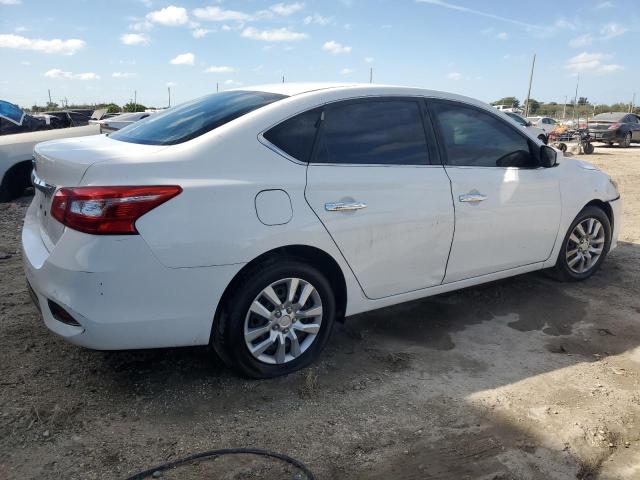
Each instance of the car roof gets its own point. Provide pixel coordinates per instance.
(291, 89)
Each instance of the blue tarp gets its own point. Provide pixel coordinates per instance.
(11, 112)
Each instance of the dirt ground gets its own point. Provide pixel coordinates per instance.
(525, 378)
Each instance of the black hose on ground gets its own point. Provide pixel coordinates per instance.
(224, 451)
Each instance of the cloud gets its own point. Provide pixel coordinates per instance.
(455, 76)
(274, 35)
(171, 84)
(502, 36)
(286, 9)
(62, 47)
(134, 39)
(335, 48)
(581, 41)
(232, 83)
(122, 74)
(62, 75)
(184, 59)
(368, 59)
(346, 71)
(220, 69)
(317, 19)
(591, 63)
(200, 32)
(602, 5)
(217, 14)
(10, 2)
(612, 30)
(170, 16)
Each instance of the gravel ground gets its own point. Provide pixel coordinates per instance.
(520, 379)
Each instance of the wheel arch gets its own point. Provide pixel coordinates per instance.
(604, 206)
(312, 255)
(13, 173)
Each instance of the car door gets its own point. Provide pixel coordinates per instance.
(507, 209)
(385, 204)
(634, 126)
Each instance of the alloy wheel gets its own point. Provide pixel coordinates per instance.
(283, 321)
(585, 245)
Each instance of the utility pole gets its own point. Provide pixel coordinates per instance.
(564, 109)
(633, 103)
(370, 74)
(575, 99)
(533, 65)
(169, 89)
(49, 90)
(135, 98)
(217, 86)
(282, 78)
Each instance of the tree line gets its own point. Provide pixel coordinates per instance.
(582, 108)
(111, 107)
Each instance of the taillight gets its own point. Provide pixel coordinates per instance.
(108, 210)
(615, 126)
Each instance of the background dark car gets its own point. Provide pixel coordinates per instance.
(617, 127)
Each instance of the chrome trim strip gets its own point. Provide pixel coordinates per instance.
(41, 185)
(344, 206)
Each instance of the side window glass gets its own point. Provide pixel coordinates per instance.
(296, 135)
(385, 132)
(478, 139)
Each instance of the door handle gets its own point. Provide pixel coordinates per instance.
(472, 198)
(344, 206)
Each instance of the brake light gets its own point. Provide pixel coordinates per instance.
(614, 126)
(108, 210)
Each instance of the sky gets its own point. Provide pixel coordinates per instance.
(103, 51)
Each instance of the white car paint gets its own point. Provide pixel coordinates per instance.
(18, 147)
(415, 238)
(547, 124)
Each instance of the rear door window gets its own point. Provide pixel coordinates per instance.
(296, 135)
(194, 118)
(378, 132)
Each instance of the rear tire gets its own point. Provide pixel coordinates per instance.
(15, 181)
(593, 246)
(626, 141)
(250, 319)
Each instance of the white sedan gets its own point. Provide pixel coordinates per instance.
(253, 219)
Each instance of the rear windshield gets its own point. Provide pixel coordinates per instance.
(609, 117)
(192, 119)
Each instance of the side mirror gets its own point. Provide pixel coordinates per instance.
(548, 156)
(528, 124)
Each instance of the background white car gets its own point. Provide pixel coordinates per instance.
(524, 123)
(16, 155)
(276, 210)
(547, 124)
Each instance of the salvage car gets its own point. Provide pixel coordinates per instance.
(547, 124)
(619, 127)
(117, 122)
(524, 123)
(254, 219)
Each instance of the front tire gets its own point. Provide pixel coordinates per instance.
(584, 247)
(277, 320)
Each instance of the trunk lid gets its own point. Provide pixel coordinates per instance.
(63, 163)
(600, 125)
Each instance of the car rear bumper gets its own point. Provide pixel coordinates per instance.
(604, 136)
(121, 296)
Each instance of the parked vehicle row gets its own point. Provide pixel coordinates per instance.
(21, 132)
(277, 210)
(525, 123)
